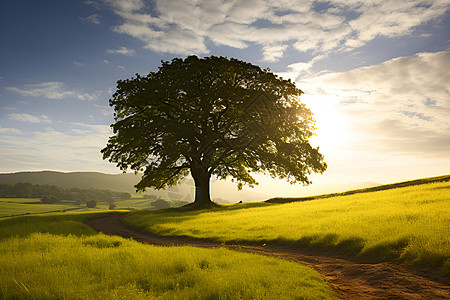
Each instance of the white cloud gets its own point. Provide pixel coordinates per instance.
(122, 50)
(74, 150)
(126, 5)
(273, 52)
(230, 34)
(77, 63)
(247, 12)
(14, 131)
(23, 117)
(172, 40)
(401, 105)
(94, 18)
(95, 4)
(184, 26)
(296, 70)
(386, 18)
(50, 90)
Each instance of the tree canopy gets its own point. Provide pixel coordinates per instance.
(211, 116)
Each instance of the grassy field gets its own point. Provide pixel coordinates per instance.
(58, 257)
(408, 224)
(19, 206)
(24, 206)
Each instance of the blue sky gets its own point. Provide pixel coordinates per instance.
(375, 73)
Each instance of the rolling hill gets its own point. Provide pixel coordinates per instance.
(82, 180)
(222, 192)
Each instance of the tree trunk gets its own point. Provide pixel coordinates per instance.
(202, 192)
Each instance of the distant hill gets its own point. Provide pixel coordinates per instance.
(82, 180)
(222, 192)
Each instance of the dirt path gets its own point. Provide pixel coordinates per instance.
(348, 278)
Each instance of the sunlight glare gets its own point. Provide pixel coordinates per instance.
(333, 130)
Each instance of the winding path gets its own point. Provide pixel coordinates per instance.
(348, 278)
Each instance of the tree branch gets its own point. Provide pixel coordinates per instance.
(160, 186)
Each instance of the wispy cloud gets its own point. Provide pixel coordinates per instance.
(77, 63)
(52, 149)
(300, 69)
(184, 26)
(95, 4)
(14, 131)
(123, 51)
(94, 18)
(23, 117)
(104, 109)
(50, 90)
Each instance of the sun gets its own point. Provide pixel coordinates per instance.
(332, 125)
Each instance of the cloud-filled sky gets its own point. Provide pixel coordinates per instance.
(375, 73)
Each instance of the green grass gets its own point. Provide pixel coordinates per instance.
(8, 209)
(60, 224)
(382, 187)
(409, 224)
(71, 261)
(20, 200)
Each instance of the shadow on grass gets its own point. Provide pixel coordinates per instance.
(329, 243)
(188, 211)
(386, 251)
(63, 224)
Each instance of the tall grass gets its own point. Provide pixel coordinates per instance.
(410, 224)
(61, 224)
(87, 265)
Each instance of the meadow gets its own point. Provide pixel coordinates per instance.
(58, 257)
(410, 225)
(22, 206)
(10, 207)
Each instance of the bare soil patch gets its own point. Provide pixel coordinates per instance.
(348, 277)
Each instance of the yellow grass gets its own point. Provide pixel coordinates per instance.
(56, 266)
(410, 224)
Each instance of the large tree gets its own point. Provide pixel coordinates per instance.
(211, 117)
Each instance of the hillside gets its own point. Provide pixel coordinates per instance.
(222, 191)
(403, 222)
(368, 189)
(81, 180)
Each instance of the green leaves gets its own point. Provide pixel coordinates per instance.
(231, 117)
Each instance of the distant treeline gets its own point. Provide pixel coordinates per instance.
(56, 194)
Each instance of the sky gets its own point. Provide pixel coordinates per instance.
(375, 74)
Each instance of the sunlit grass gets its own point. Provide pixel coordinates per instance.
(17, 208)
(410, 224)
(71, 261)
(27, 206)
